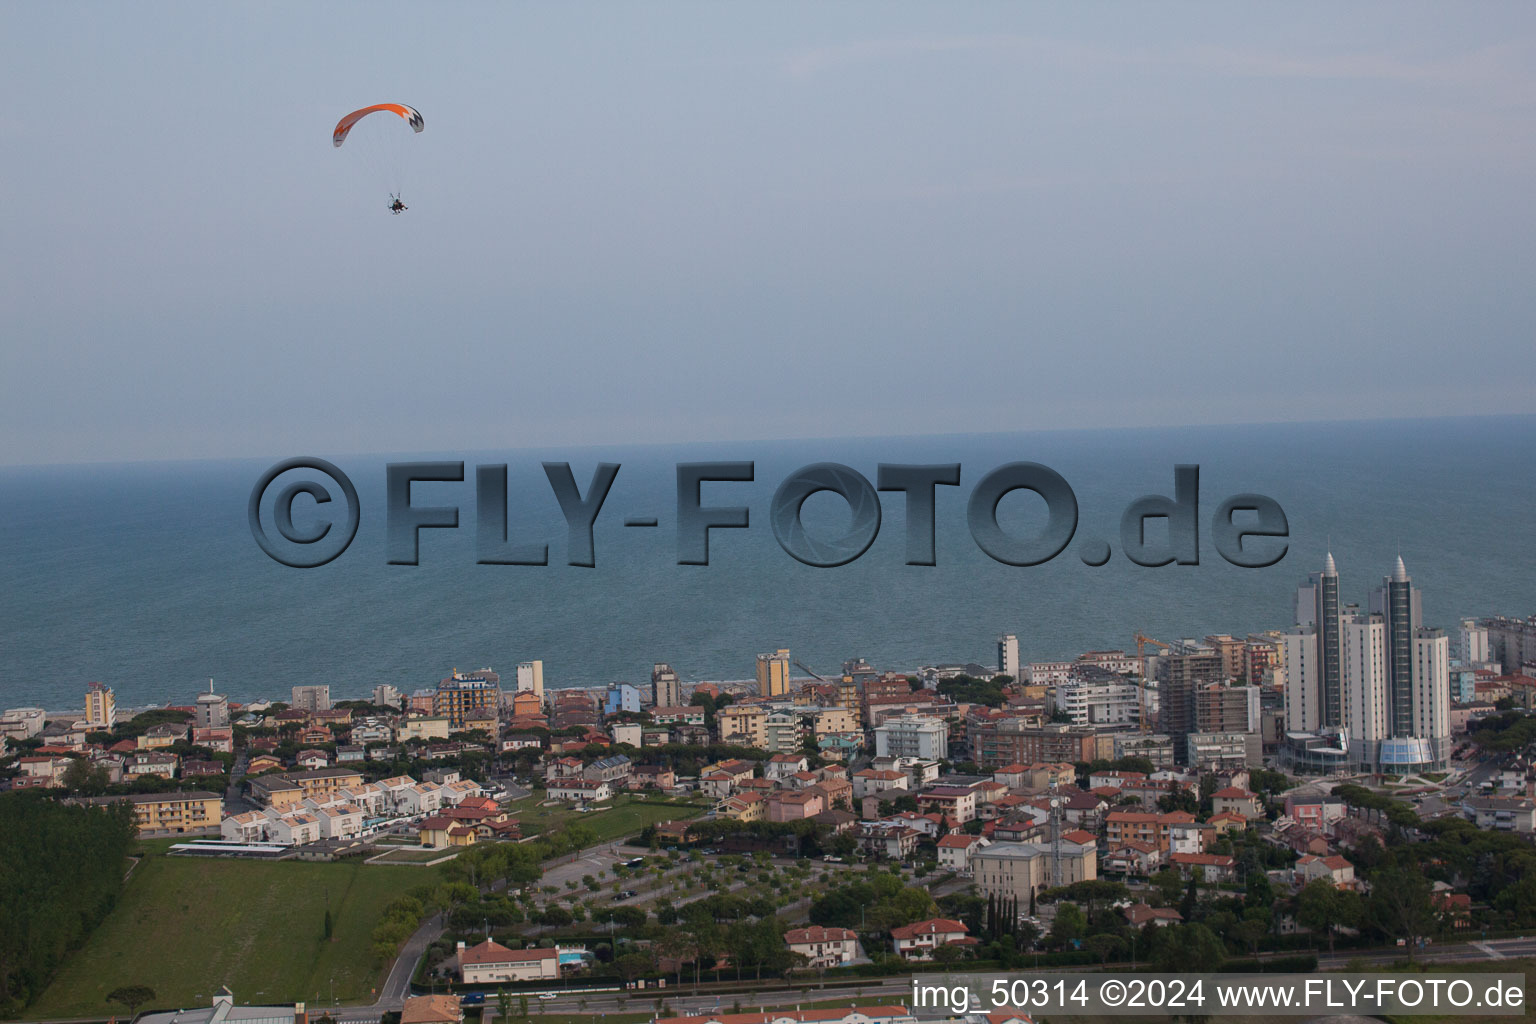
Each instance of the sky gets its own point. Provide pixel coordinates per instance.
(681, 222)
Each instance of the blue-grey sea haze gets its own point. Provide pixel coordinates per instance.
(145, 575)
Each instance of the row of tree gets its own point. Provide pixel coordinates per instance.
(61, 871)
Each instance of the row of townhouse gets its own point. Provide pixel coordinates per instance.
(340, 813)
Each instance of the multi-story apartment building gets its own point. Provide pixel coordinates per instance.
(996, 742)
(773, 673)
(311, 698)
(211, 710)
(1366, 691)
(530, 678)
(666, 687)
(100, 706)
(1008, 655)
(743, 725)
(164, 814)
(913, 736)
(465, 692)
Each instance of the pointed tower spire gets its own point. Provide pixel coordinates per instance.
(1399, 571)
(1329, 569)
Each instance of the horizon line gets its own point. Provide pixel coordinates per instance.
(585, 446)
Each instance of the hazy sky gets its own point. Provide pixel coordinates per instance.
(732, 221)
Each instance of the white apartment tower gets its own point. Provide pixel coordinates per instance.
(530, 676)
(1380, 682)
(1008, 655)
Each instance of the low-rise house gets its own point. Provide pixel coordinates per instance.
(823, 947)
(313, 760)
(918, 941)
(263, 763)
(891, 840)
(1134, 858)
(781, 766)
(220, 740)
(1238, 800)
(652, 776)
(580, 790)
(1215, 867)
(1506, 814)
(435, 1009)
(957, 803)
(152, 762)
(743, 807)
(491, 962)
(955, 851)
(1190, 836)
(1335, 869)
(795, 805)
(295, 829)
(351, 754)
(1140, 914)
(163, 735)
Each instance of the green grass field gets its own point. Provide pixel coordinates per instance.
(623, 817)
(185, 926)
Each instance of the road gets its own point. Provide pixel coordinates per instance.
(684, 1001)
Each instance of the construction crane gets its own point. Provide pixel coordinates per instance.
(1141, 656)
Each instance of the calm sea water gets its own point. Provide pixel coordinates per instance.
(145, 576)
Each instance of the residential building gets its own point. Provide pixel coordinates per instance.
(433, 1009)
(666, 687)
(387, 696)
(743, 726)
(530, 679)
(955, 851)
(773, 673)
(490, 962)
(463, 693)
(163, 814)
(622, 697)
(823, 947)
(1214, 867)
(100, 707)
(580, 790)
(913, 736)
(212, 710)
(1008, 656)
(424, 727)
(311, 698)
(1506, 814)
(918, 941)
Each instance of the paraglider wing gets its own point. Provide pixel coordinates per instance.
(410, 114)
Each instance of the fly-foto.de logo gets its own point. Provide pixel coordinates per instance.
(1248, 530)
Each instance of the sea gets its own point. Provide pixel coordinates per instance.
(147, 577)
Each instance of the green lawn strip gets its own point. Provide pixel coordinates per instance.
(185, 926)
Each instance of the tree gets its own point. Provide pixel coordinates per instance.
(1189, 948)
(85, 777)
(1104, 946)
(1400, 907)
(131, 996)
(504, 1005)
(949, 954)
(1070, 924)
(1317, 907)
(631, 965)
